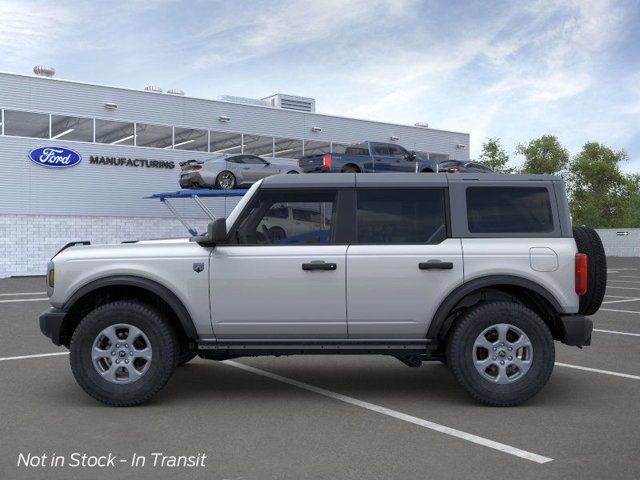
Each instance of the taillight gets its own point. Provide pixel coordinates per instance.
(582, 263)
(455, 169)
(197, 167)
(299, 163)
(326, 161)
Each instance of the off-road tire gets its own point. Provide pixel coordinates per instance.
(459, 351)
(164, 344)
(589, 243)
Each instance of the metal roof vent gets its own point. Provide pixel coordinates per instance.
(175, 91)
(44, 71)
(153, 88)
(421, 124)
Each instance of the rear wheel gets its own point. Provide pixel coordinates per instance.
(123, 353)
(225, 180)
(502, 353)
(350, 169)
(588, 242)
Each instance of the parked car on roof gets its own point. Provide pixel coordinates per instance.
(462, 166)
(229, 171)
(368, 157)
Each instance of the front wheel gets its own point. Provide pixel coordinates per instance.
(123, 353)
(502, 353)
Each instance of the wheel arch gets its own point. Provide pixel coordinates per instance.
(354, 165)
(494, 287)
(103, 290)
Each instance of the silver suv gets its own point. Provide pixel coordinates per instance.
(479, 271)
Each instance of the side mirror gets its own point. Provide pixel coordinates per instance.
(216, 233)
(217, 230)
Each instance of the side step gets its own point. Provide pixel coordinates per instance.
(258, 347)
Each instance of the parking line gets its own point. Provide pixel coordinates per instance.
(17, 300)
(622, 301)
(623, 288)
(629, 276)
(619, 311)
(485, 442)
(38, 355)
(22, 293)
(597, 370)
(624, 281)
(616, 332)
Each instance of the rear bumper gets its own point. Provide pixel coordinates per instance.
(192, 180)
(576, 330)
(51, 321)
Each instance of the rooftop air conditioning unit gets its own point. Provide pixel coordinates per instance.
(153, 88)
(291, 102)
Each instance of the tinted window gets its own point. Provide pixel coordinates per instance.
(401, 216)
(254, 160)
(381, 149)
(267, 221)
(397, 151)
(479, 166)
(115, 133)
(235, 159)
(357, 151)
(509, 210)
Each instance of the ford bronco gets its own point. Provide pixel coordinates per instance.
(479, 271)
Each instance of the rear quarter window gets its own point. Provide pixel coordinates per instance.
(509, 210)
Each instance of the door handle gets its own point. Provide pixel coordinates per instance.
(435, 265)
(319, 266)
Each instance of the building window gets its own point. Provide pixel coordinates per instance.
(71, 128)
(26, 124)
(157, 136)
(190, 139)
(316, 148)
(115, 133)
(258, 145)
(224, 142)
(287, 148)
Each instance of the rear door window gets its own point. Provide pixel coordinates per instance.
(509, 210)
(415, 215)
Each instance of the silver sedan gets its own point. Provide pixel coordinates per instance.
(230, 171)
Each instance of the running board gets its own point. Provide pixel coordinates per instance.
(251, 347)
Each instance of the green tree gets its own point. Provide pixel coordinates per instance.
(543, 155)
(494, 156)
(599, 192)
(631, 217)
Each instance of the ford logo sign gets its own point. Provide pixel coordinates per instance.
(57, 157)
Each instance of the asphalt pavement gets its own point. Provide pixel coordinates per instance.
(338, 417)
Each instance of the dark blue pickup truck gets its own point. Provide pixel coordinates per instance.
(368, 157)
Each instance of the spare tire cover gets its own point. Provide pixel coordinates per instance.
(588, 242)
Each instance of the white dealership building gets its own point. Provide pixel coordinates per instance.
(128, 144)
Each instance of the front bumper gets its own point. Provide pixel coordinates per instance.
(51, 321)
(576, 330)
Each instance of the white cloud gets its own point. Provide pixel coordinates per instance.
(30, 28)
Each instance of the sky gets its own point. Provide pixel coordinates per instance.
(513, 70)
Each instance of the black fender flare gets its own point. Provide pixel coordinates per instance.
(135, 281)
(467, 288)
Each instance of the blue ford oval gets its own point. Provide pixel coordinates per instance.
(56, 157)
